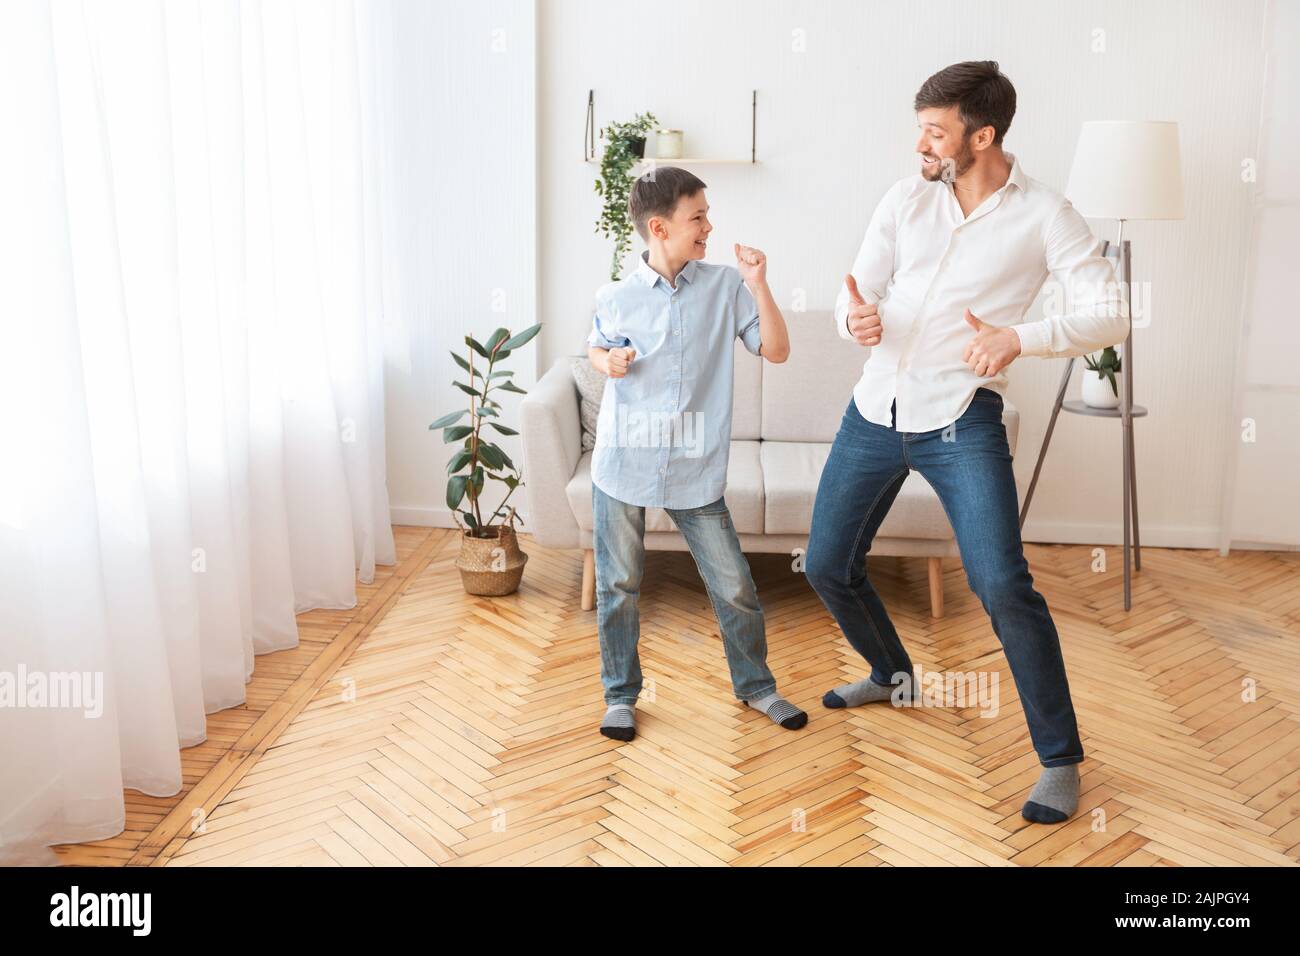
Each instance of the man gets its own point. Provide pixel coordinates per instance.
(951, 261)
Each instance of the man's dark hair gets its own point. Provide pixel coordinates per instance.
(656, 193)
(982, 94)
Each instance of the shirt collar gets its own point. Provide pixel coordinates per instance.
(1017, 176)
(646, 274)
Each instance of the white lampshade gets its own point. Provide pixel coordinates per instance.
(1127, 169)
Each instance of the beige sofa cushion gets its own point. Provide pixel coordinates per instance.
(791, 471)
(805, 396)
(744, 492)
(746, 400)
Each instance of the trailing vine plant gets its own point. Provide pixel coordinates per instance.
(625, 146)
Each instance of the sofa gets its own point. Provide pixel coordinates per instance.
(784, 418)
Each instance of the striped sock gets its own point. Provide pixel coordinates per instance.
(619, 722)
(780, 710)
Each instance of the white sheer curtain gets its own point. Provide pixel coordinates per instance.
(190, 377)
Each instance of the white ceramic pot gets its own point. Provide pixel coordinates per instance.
(668, 144)
(1097, 392)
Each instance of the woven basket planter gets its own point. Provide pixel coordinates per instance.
(491, 566)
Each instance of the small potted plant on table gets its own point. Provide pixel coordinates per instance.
(1101, 390)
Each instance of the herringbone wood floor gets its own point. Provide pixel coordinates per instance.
(283, 683)
(462, 730)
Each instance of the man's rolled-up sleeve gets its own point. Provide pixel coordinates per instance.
(1095, 314)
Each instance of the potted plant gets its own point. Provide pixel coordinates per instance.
(625, 146)
(1096, 392)
(490, 561)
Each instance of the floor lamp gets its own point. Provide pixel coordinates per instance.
(1122, 170)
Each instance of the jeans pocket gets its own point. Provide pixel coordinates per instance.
(722, 517)
(716, 510)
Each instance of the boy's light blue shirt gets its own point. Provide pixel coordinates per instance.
(664, 430)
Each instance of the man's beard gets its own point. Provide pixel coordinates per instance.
(950, 167)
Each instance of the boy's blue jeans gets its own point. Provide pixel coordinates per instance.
(971, 473)
(619, 532)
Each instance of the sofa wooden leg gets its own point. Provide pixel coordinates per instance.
(936, 586)
(588, 579)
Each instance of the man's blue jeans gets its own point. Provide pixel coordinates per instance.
(969, 466)
(620, 558)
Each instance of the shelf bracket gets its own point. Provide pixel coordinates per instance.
(589, 131)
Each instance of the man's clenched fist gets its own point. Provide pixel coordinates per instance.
(618, 361)
(864, 321)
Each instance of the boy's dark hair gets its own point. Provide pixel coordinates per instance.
(982, 94)
(656, 192)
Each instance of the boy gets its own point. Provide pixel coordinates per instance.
(664, 336)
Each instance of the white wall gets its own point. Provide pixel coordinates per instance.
(835, 129)
(485, 190)
(1263, 476)
(460, 226)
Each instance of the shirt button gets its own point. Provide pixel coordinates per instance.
(676, 332)
(663, 471)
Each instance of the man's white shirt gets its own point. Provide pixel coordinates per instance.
(923, 262)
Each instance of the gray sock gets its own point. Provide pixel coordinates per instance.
(780, 710)
(1055, 797)
(619, 722)
(851, 695)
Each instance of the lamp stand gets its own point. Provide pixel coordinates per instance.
(1126, 412)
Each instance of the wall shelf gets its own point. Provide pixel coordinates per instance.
(688, 161)
(589, 141)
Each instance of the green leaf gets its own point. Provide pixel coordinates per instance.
(466, 366)
(524, 337)
(476, 481)
(499, 336)
(470, 519)
(511, 387)
(458, 461)
(503, 429)
(473, 343)
(467, 390)
(494, 456)
(447, 419)
(511, 482)
(501, 373)
(488, 411)
(456, 490)
(491, 455)
(456, 432)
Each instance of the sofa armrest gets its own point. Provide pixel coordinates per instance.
(552, 440)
